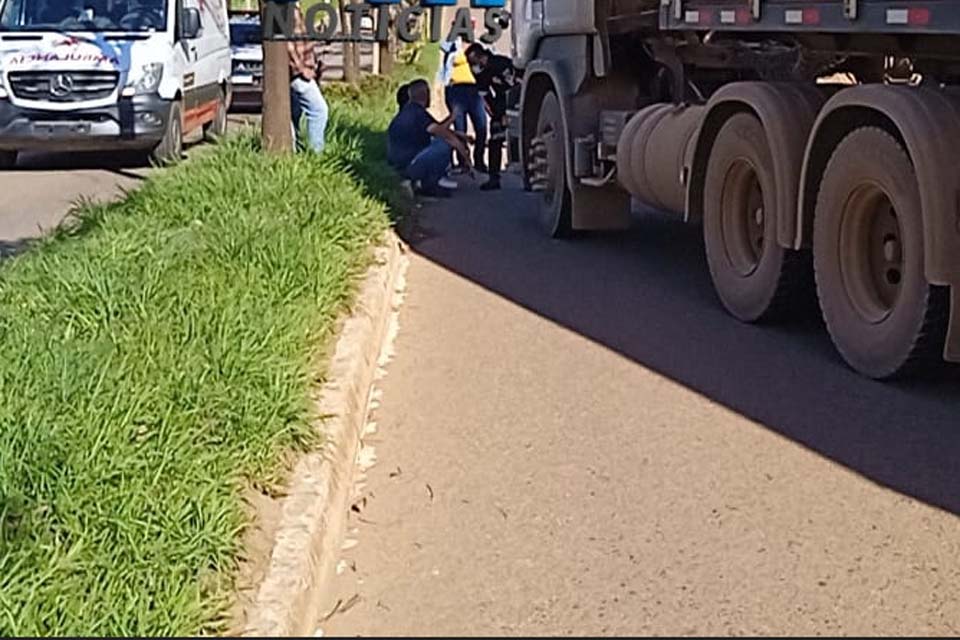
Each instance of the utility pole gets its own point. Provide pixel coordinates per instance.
(351, 58)
(276, 133)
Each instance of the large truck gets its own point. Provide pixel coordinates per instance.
(816, 141)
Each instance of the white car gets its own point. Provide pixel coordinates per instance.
(108, 74)
(247, 54)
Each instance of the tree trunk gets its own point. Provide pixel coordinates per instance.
(351, 66)
(276, 133)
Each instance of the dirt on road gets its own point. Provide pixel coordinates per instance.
(575, 439)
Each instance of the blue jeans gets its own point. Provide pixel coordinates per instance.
(308, 103)
(465, 101)
(430, 164)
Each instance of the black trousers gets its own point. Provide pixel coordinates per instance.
(498, 136)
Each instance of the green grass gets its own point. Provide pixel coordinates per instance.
(156, 358)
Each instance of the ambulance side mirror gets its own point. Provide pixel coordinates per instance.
(190, 25)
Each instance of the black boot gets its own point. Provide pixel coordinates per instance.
(493, 184)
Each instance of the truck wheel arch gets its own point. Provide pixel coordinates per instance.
(927, 123)
(561, 65)
(787, 112)
(564, 70)
(540, 79)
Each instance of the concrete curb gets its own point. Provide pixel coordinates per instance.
(310, 534)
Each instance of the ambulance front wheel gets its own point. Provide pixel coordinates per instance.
(170, 147)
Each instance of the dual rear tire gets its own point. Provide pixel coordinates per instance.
(883, 316)
(752, 274)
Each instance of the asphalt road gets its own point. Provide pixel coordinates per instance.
(37, 195)
(574, 438)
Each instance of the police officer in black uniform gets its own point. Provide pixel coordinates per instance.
(495, 78)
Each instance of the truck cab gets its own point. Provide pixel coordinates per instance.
(111, 74)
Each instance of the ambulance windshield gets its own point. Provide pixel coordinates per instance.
(83, 15)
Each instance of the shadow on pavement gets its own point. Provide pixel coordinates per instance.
(117, 161)
(127, 163)
(646, 294)
(245, 112)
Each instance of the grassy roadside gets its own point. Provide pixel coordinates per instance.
(156, 359)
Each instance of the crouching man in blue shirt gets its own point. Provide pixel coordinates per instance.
(421, 148)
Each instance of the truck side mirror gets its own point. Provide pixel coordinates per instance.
(190, 24)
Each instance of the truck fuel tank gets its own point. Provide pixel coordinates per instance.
(651, 152)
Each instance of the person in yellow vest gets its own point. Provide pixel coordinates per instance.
(463, 99)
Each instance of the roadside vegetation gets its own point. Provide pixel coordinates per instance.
(155, 361)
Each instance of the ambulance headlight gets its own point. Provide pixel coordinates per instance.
(149, 80)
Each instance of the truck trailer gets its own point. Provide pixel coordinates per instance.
(817, 142)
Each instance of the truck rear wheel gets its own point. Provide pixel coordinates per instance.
(751, 273)
(551, 177)
(170, 147)
(883, 315)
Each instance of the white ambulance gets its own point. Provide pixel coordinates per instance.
(111, 74)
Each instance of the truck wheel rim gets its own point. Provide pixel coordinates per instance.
(871, 253)
(743, 217)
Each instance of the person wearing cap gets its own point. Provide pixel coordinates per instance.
(495, 76)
